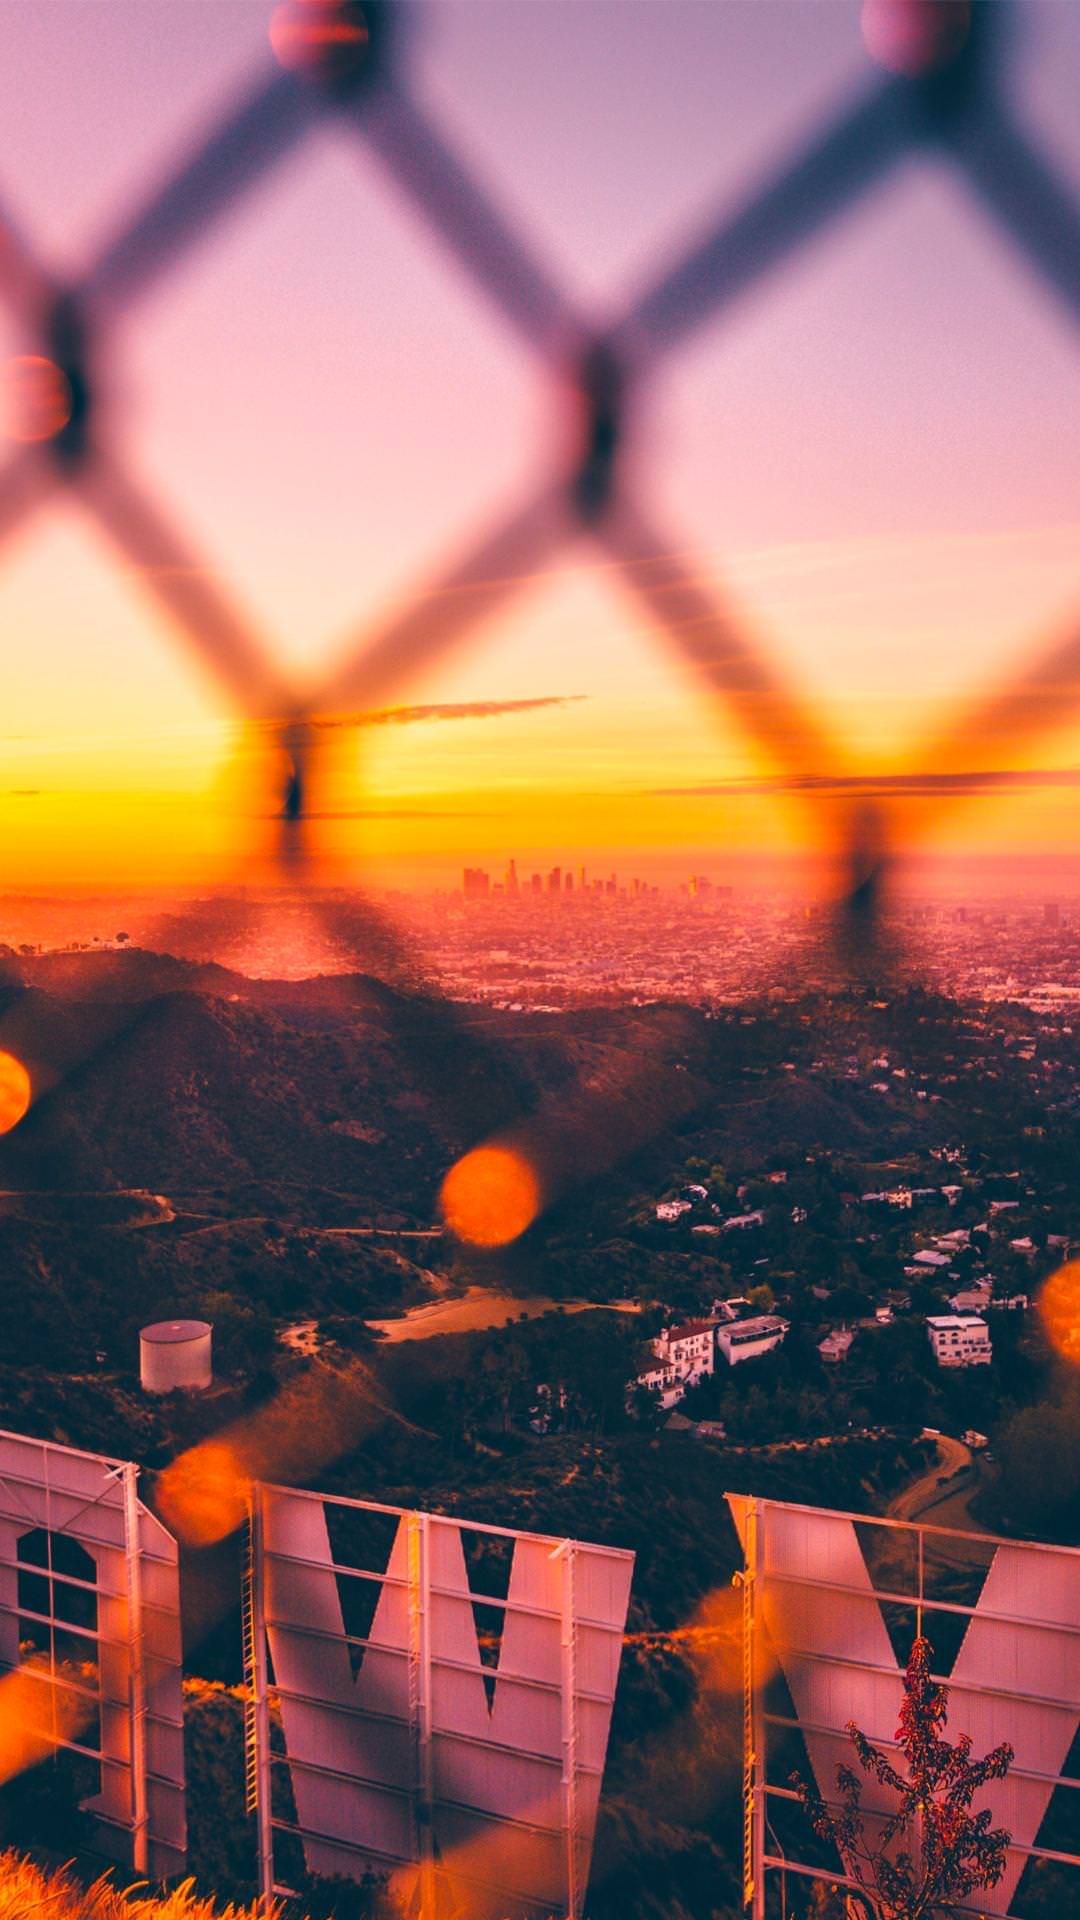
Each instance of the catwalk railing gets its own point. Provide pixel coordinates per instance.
(838, 1600)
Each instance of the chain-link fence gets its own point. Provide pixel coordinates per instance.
(941, 84)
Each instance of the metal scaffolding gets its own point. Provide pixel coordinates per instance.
(817, 1586)
(109, 1672)
(402, 1750)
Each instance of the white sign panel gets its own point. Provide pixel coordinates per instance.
(90, 1614)
(825, 1588)
(457, 1739)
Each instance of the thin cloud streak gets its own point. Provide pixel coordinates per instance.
(797, 560)
(448, 710)
(878, 786)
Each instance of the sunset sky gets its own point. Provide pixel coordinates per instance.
(872, 458)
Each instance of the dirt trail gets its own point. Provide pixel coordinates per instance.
(928, 1494)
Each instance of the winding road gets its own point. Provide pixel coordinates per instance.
(939, 1490)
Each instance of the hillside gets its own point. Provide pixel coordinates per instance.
(200, 1135)
(160, 1072)
(267, 1154)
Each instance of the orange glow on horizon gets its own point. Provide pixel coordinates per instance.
(490, 1196)
(634, 770)
(16, 1092)
(1059, 1306)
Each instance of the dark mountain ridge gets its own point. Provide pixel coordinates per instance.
(163, 1073)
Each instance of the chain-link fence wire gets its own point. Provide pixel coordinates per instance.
(942, 86)
(350, 63)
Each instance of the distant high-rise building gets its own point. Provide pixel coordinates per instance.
(537, 883)
(568, 883)
(476, 883)
(554, 880)
(510, 884)
(581, 879)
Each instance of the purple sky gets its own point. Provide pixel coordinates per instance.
(875, 455)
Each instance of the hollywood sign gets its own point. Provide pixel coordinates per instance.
(831, 1604)
(431, 1699)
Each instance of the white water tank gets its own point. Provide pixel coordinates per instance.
(176, 1353)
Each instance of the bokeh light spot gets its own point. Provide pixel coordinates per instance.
(15, 1091)
(36, 400)
(912, 37)
(328, 37)
(1059, 1305)
(713, 1637)
(37, 1714)
(202, 1496)
(490, 1196)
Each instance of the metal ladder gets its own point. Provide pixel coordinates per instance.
(249, 1630)
(745, 1581)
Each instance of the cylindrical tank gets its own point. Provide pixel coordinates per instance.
(175, 1353)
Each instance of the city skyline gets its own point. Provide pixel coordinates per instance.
(558, 882)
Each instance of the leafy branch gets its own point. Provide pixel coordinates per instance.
(931, 1851)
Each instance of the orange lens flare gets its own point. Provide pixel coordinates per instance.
(31, 1706)
(15, 1092)
(202, 1496)
(1059, 1305)
(713, 1638)
(37, 398)
(316, 1417)
(490, 1196)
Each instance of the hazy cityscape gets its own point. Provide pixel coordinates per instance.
(611, 941)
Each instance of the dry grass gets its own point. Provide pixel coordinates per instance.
(27, 1890)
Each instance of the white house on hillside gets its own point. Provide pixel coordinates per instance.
(959, 1339)
(748, 1339)
(684, 1356)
